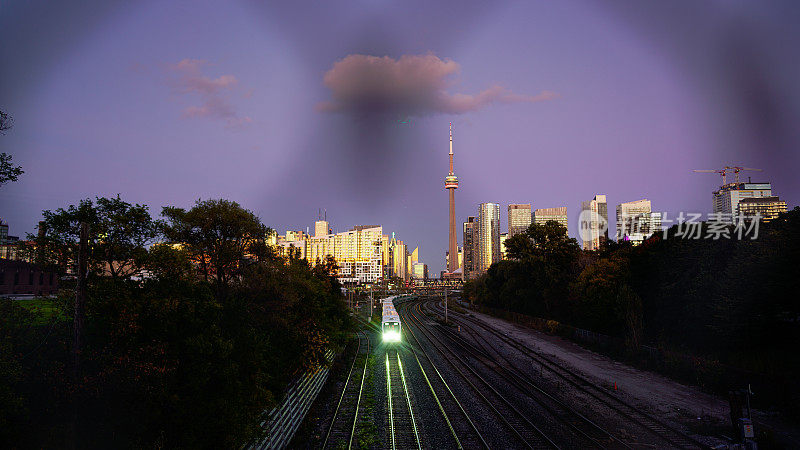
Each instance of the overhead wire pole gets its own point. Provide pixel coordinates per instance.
(78, 320)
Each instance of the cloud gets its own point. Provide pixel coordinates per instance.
(411, 85)
(213, 93)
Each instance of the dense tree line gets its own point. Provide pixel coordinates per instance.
(193, 326)
(729, 300)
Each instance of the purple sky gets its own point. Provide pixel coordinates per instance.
(294, 106)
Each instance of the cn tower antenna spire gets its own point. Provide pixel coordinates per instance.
(451, 138)
(451, 148)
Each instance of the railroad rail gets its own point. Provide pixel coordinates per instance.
(345, 418)
(517, 423)
(653, 425)
(402, 425)
(587, 429)
(464, 433)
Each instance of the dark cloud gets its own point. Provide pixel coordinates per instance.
(213, 92)
(413, 85)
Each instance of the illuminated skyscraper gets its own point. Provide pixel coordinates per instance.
(488, 236)
(519, 218)
(420, 271)
(321, 228)
(593, 226)
(469, 247)
(451, 184)
(400, 260)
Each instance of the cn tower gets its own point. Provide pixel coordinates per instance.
(451, 184)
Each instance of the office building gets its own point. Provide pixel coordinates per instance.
(271, 238)
(358, 252)
(469, 230)
(293, 236)
(420, 271)
(636, 221)
(3, 232)
(519, 218)
(767, 207)
(322, 228)
(727, 198)
(295, 249)
(400, 260)
(488, 237)
(593, 224)
(503, 237)
(544, 215)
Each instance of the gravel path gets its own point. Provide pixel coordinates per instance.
(687, 406)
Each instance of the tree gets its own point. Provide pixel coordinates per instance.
(549, 241)
(218, 235)
(120, 235)
(8, 172)
(162, 352)
(5, 122)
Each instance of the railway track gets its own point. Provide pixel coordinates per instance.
(465, 434)
(656, 427)
(402, 425)
(516, 423)
(588, 430)
(342, 429)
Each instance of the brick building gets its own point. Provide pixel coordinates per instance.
(20, 277)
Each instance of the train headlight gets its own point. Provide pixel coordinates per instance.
(391, 336)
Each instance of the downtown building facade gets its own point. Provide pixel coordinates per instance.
(728, 196)
(419, 271)
(358, 253)
(593, 224)
(559, 214)
(470, 233)
(747, 199)
(503, 239)
(519, 218)
(363, 254)
(768, 208)
(487, 241)
(636, 221)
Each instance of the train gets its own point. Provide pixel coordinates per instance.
(390, 322)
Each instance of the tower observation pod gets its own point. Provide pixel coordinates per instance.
(451, 184)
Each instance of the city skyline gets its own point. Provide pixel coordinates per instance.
(125, 103)
(235, 224)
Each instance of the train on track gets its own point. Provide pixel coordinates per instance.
(390, 322)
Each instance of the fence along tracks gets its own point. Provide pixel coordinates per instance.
(655, 426)
(345, 419)
(402, 425)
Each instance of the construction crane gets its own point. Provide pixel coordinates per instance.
(726, 170)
